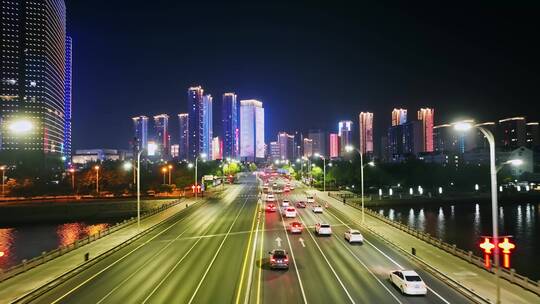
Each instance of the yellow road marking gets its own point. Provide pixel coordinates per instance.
(246, 256)
(261, 259)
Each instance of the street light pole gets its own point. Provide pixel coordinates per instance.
(139, 189)
(164, 170)
(170, 169)
(196, 163)
(72, 171)
(494, 206)
(3, 168)
(97, 179)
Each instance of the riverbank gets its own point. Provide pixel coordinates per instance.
(32, 212)
(454, 199)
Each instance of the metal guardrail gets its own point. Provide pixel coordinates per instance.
(509, 275)
(26, 265)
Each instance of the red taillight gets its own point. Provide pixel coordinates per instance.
(286, 260)
(272, 260)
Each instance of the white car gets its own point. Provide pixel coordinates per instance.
(317, 209)
(289, 212)
(310, 200)
(354, 236)
(409, 282)
(291, 187)
(323, 229)
(285, 203)
(270, 198)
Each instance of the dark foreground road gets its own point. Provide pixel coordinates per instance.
(216, 252)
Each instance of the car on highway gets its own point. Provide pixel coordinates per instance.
(270, 198)
(295, 227)
(291, 187)
(317, 209)
(300, 205)
(287, 189)
(289, 212)
(354, 236)
(408, 282)
(270, 207)
(279, 259)
(274, 185)
(286, 203)
(323, 229)
(310, 200)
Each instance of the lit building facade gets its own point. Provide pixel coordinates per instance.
(183, 143)
(252, 145)
(308, 147)
(366, 132)
(67, 101)
(286, 146)
(399, 117)
(426, 117)
(533, 135)
(229, 121)
(345, 135)
(162, 137)
(274, 153)
(32, 77)
(334, 145)
(175, 149)
(140, 128)
(195, 96)
(206, 129)
(217, 148)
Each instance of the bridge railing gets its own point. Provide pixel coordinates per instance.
(510, 275)
(53, 254)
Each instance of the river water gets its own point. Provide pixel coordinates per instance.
(465, 224)
(25, 242)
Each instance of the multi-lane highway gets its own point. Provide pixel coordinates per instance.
(217, 252)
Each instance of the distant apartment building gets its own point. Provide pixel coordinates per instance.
(217, 148)
(334, 148)
(252, 146)
(320, 140)
(206, 127)
(308, 147)
(366, 132)
(274, 152)
(183, 142)
(84, 156)
(345, 135)
(426, 116)
(195, 100)
(286, 146)
(399, 117)
(162, 136)
(512, 133)
(229, 121)
(140, 136)
(533, 135)
(175, 150)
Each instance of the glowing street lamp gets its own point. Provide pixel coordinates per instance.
(465, 126)
(72, 171)
(170, 167)
(21, 126)
(164, 170)
(203, 157)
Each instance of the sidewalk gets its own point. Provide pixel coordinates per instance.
(36, 277)
(472, 277)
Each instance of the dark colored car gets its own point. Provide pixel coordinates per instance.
(279, 259)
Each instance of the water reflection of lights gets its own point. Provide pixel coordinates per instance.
(440, 223)
(391, 214)
(69, 233)
(6, 241)
(410, 221)
(476, 221)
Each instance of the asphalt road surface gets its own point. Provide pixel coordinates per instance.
(217, 252)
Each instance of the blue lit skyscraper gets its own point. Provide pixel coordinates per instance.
(206, 129)
(140, 128)
(161, 127)
(67, 103)
(195, 95)
(183, 144)
(230, 125)
(251, 130)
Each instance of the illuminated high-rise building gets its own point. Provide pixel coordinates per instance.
(32, 78)
(345, 135)
(183, 143)
(162, 137)
(366, 132)
(206, 135)
(229, 121)
(274, 153)
(67, 102)
(308, 147)
(140, 136)
(251, 130)
(533, 135)
(426, 117)
(334, 145)
(217, 148)
(286, 145)
(399, 117)
(195, 97)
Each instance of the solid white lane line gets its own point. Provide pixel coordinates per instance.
(115, 262)
(394, 262)
(363, 264)
(217, 252)
(327, 262)
(293, 259)
(253, 256)
(141, 267)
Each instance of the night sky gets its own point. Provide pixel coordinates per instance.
(310, 64)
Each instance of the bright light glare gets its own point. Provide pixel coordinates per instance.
(127, 166)
(349, 148)
(190, 165)
(371, 163)
(462, 126)
(20, 126)
(317, 155)
(516, 162)
(203, 155)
